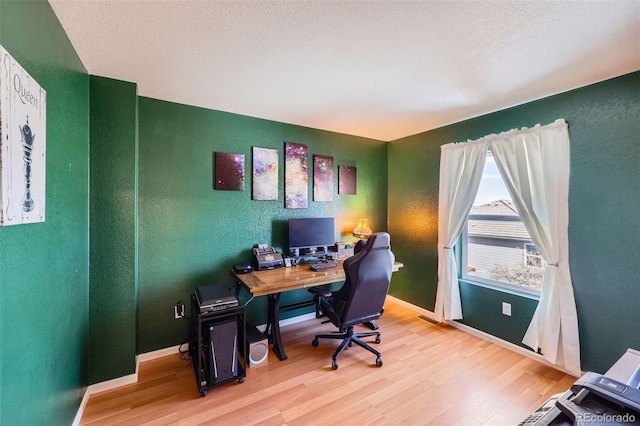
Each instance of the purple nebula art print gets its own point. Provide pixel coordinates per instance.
(322, 178)
(296, 185)
(265, 174)
(347, 180)
(229, 171)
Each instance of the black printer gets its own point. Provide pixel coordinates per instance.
(593, 399)
(266, 258)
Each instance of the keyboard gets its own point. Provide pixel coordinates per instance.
(321, 265)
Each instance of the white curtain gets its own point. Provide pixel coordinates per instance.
(535, 166)
(461, 166)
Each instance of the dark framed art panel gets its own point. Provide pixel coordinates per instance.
(229, 171)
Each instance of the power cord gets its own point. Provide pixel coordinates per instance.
(185, 355)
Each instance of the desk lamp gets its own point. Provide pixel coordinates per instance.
(362, 231)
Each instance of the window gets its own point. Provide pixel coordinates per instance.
(496, 247)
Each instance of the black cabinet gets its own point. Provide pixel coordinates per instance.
(217, 347)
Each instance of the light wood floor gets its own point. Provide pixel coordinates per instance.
(432, 374)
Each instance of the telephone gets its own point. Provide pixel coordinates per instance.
(265, 257)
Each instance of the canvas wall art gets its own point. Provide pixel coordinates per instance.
(347, 180)
(322, 178)
(296, 186)
(229, 171)
(265, 174)
(23, 113)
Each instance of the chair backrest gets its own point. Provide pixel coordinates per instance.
(368, 275)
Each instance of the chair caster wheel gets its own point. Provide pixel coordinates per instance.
(315, 343)
(203, 393)
(241, 380)
(379, 362)
(334, 365)
(377, 339)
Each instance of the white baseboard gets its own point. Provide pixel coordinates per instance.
(288, 321)
(515, 348)
(297, 319)
(415, 308)
(481, 334)
(148, 356)
(121, 381)
(83, 404)
(101, 387)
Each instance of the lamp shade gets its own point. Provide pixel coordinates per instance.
(362, 230)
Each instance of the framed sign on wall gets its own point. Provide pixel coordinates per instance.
(23, 138)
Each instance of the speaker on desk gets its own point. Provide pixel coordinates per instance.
(257, 347)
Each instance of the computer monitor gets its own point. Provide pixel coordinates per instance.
(311, 235)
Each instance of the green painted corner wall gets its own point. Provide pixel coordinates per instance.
(604, 124)
(44, 266)
(191, 234)
(113, 224)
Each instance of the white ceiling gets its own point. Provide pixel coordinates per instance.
(381, 69)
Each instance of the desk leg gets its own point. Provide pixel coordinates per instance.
(273, 325)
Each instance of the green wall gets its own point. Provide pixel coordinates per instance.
(113, 229)
(44, 266)
(604, 229)
(191, 234)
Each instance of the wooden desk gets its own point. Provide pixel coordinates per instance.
(272, 283)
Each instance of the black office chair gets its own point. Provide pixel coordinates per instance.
(361, 298)
(324, 290)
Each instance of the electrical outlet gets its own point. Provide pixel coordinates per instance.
(178, 310)
(506, 309)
